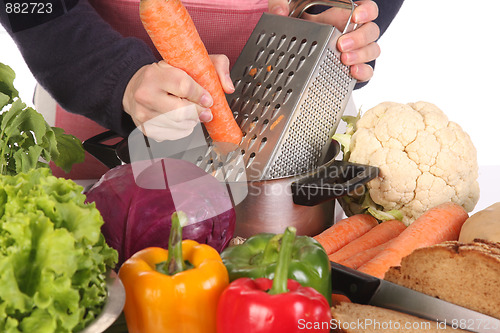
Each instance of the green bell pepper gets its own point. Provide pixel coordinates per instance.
(258, 255)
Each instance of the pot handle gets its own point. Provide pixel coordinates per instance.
(330, 181)
(106, 154)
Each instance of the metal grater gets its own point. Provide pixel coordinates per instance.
(291, 91)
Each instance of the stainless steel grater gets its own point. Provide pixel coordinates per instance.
(291, 91)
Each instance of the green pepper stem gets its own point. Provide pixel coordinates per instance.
(175, 262)
(280, 282)
(269, 254)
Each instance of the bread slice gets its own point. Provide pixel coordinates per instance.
(359, 318)
(464, 274)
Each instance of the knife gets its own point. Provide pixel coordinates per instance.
(366, 289)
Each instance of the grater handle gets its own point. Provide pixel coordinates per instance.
(330, 181)
(298, 7)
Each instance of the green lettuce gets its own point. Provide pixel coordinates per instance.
(53, 256)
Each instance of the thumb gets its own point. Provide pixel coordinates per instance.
(278, 7)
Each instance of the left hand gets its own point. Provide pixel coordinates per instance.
(357, 47)
(167, 103)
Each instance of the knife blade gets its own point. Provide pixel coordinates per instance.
(366, 289)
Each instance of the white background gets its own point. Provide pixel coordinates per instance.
(443, 52)
(447, 53)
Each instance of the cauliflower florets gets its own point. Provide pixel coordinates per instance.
(424, 159)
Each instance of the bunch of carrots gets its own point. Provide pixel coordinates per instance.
(360, 242)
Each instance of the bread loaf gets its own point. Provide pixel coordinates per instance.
(465, 274)
(359, 318)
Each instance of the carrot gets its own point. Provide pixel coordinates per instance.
(345, 231)
(362, 257)
(439, 224)
(340, 298)
(174, 35)
(380, 234)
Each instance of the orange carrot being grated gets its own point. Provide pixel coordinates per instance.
(380, 234)
(345, 231)
(439, 224)
(174, 35)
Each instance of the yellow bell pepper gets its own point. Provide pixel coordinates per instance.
(174, 290)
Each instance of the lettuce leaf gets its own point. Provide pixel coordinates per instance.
(7, 89)
(26, 140)
(53, 257)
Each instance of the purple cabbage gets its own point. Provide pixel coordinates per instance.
(137, 217)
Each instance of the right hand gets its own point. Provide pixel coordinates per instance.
(165, 103)
(358, 47)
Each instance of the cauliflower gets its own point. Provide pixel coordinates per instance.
(424, 160)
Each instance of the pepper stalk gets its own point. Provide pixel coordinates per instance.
(280, 280)
(269, 254)
(175, 262)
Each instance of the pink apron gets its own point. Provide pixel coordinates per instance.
(224, 26)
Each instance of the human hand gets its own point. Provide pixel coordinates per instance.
(165, 103)
(357, 47)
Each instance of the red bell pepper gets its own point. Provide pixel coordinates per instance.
(280, 305)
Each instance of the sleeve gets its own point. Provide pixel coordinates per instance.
(82, 62)
(388, 9)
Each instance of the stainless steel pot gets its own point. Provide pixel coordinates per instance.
(305, 201)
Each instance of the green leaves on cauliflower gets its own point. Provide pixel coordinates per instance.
(424, 160)
(53, 257)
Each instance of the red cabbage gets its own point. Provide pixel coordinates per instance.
(137, 217)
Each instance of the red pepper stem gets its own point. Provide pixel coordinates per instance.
(175, 262)
(280, 281)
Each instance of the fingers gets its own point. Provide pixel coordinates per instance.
(160, 88)
(221, 64)
(278, 7)
(365, 11)
(363, 36)
(360, 46)
(361, 72)
(159, 95)
(151, 105)
(361, 55)
(178, 83)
